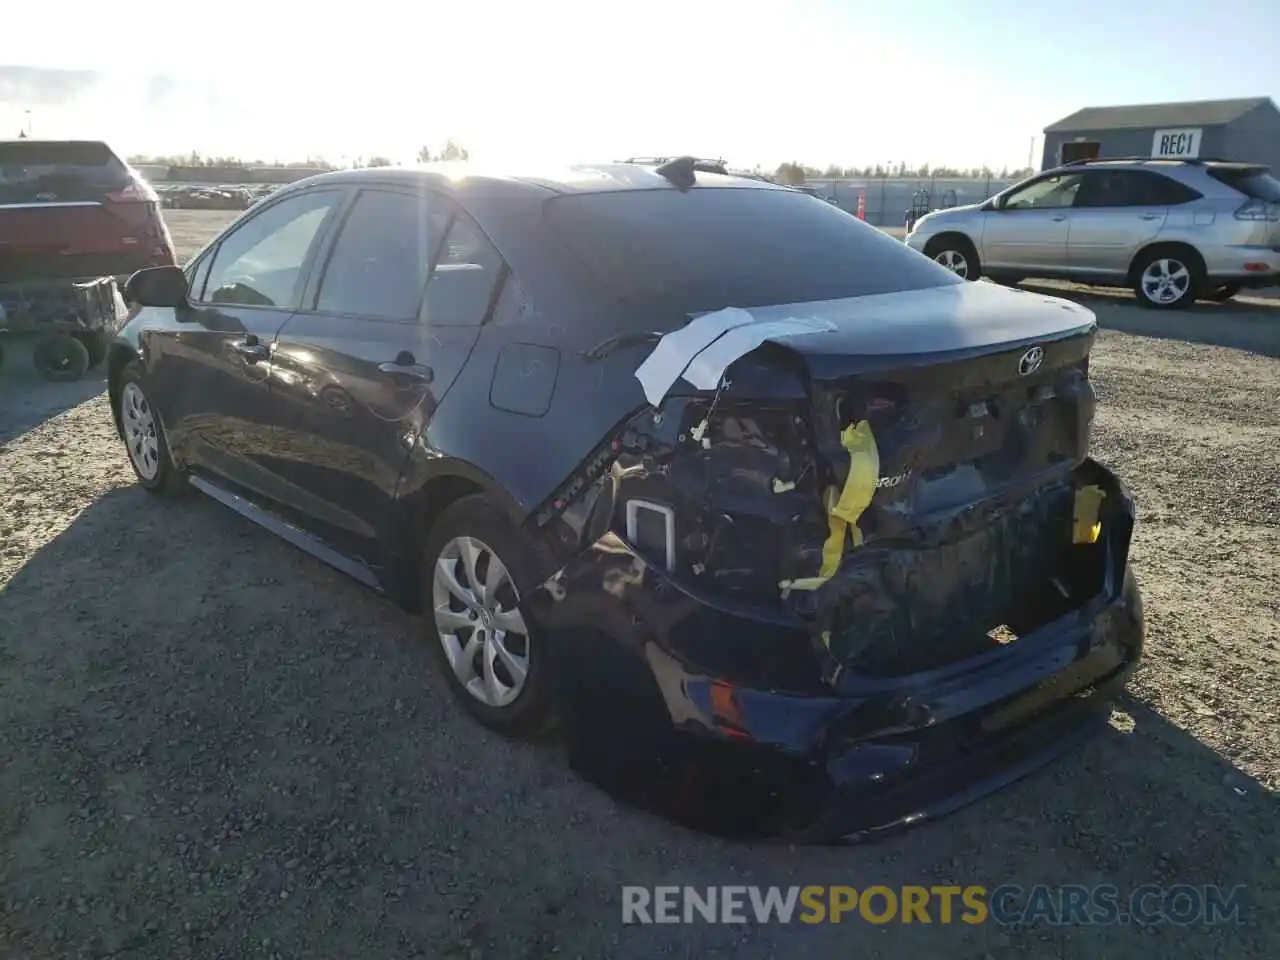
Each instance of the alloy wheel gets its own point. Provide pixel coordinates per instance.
(478, 618)
(1166, 281)
(955, 261)
(139, 423)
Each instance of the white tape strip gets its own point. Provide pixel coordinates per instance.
(663, 367)
(706, 369)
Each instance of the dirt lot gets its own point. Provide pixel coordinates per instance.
(217, 747)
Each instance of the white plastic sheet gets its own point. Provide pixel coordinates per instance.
(707, 368)
(703, 349)
(663, 367)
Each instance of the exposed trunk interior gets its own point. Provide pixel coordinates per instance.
(967, 539)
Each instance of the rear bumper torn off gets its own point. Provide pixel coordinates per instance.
(722, 717)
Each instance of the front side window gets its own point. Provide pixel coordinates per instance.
(260, 263)
(380, 262)
(196, 279)
(1049, 193)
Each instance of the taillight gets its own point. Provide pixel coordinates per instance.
(1255, 209)
(138, 191)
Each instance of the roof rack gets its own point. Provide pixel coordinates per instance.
(700, 164)
(1084, 161)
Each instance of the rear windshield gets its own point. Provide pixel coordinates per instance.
(1256, 182)
(709, 248)
(33, 171)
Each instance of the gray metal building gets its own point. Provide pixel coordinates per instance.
(1246, 129)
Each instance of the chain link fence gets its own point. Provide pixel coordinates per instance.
(889, 198)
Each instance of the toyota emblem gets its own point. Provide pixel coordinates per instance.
(1030, 361)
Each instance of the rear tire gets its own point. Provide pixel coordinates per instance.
(476, 621)
(955, 253)
(1167, 278)
(1221, 294)
(60, 358)
(144, 438)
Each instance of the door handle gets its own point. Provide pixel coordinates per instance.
(405, 366)
(1150, 216)
(1059, 218)
(251, 349)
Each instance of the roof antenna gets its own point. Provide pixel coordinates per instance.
(679, 172)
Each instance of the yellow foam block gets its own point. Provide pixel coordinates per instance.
(1085, 526)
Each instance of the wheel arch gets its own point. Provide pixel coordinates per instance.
(119, 356)
(1186, 249)
(425, 493)
(953, 235)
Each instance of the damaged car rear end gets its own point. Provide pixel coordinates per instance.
(845, 563)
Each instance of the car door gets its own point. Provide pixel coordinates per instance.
(1026, 229)
(211, 367)
(1116, 213)
(385, 330)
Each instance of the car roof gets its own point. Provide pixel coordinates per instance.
(1139, 163)
(464, 177)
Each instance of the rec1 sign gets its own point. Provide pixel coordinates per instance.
(1176, 144)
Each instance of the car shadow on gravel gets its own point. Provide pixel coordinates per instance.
(216, 746)
(27, 400)
(1242, 325)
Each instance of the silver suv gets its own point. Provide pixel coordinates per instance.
(1174, 231)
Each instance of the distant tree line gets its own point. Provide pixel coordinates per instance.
(452, 150)
(197, 159)
(796, 173)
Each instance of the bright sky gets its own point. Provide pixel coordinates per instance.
(819, 81)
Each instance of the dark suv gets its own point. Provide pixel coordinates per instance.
(71, 212)
(747, 494)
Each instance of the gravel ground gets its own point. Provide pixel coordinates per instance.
(217, 747)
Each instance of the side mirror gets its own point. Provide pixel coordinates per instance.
(157, 287)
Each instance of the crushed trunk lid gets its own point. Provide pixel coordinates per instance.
(900, 471)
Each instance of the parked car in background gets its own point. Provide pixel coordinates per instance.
(71, 211)
(208, 197)
(1172, 230)
(764, 505)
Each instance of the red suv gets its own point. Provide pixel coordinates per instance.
(70, 211)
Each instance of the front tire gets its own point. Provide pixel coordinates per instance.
(956, 254)
(476, 566)
(1167, 279)
(144, 438)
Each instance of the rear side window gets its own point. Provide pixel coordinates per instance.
(1131, 188)
(380, 262)
(460, 291)
(1254, 182)
(708, 248)
(259, 264)
(35, 171)
(1153, 188)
